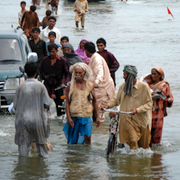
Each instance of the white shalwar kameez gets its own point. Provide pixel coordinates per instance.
(31, 120)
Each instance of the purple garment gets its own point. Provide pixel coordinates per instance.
(82, 53)
(112, 63)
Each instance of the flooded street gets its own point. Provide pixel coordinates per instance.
(138, 32)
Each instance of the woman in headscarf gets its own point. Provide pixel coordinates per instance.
(81, 51)
(162, 98)
(70, 55)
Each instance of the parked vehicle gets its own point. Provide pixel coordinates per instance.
(14, 52)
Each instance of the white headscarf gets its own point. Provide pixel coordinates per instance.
(72, 68)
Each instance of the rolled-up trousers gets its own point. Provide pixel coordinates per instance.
(79, 18)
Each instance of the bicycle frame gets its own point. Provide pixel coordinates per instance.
(63, 106)
(116, 111)
(63, 103)
(113, 134)
(113, 130)
(114, 123)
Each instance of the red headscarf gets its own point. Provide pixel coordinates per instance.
(159, 69)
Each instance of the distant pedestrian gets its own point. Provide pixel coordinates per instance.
(29, 21)
(23, 10)
(36, 2)
(54, 6)
(81, 7)
(44, 22)
(48, 2)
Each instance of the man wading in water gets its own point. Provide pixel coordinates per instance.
(101, 78)
(31, 121)
(54, 72)
(29, 21)
(133, 96)
(80, 102)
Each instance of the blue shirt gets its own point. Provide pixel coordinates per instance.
(47, 43)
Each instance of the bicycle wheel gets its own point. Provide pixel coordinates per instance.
(114, 144)
(111, 145)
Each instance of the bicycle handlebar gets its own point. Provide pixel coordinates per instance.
(112, 110)
(61, 87)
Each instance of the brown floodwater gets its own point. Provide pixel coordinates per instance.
(138, 32)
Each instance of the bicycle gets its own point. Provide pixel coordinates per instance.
(63, 106)
(113, 129)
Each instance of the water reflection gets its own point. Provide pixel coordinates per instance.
(158, 169)
(34, 167)
(138, 166)
(130, 166)
(75, 162)
(83, 162)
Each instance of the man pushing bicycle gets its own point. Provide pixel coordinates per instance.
(133, 96)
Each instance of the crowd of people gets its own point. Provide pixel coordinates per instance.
(28, 18)
(90, 79)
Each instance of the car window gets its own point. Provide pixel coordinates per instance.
(10, 50)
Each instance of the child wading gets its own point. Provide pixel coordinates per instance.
(23, 10)
(81, 7)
